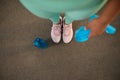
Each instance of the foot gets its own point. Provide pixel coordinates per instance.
(67, 32)
(56, 32)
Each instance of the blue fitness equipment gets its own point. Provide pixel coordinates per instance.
(82, 35)
(40, 43)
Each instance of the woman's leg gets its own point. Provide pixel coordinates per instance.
(67, 28)
(54, 17)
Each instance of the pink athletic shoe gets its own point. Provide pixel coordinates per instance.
(56, 32)
(67, 32)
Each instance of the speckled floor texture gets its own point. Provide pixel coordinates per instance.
(96, 59)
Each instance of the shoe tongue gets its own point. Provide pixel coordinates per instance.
(57, 32)
(67, 27)
(67, 32)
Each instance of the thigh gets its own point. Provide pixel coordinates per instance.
(79, 15)
(36, 10)
(76, 15)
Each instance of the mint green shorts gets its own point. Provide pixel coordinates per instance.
(74, 10)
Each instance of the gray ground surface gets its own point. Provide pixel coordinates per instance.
(97, 59)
